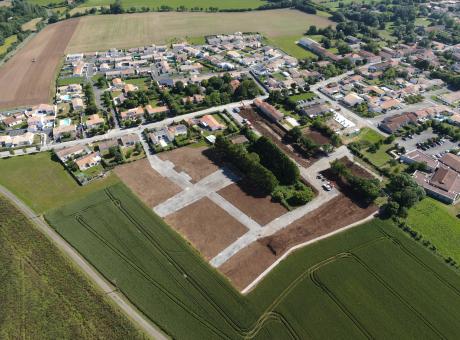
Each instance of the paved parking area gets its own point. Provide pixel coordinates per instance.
(410, 144)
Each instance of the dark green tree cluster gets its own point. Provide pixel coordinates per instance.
(304, 145)
(403, 193)
(367, 189)
(248, 164)
(274, 159)
(91, 106)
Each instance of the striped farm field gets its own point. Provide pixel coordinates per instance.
(370, 281)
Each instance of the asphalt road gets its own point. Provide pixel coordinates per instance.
(109, 290)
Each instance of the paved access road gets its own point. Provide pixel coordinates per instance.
(92, 273)
(117, 133)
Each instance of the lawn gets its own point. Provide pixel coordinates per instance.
(371, 281)
(43, 183)
(70, 80)
(437, 223)
(222, 4)
(7, 43)
(303, 96)
(288, 44)
(370, 135)
(133, 30)
(196, 40)
(42, 295)
(141, 83)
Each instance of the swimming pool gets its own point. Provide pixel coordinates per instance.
(66, 98)
(65, 122)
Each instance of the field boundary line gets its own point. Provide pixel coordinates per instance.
(85, 267)
(254, 283)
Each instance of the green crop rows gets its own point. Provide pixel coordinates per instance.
(367, 282)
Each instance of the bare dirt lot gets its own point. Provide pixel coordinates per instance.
(24, 82)
(208, 227)
(249, 263)
(197, 162)
(149, 185)
(96, 33)
(317, 137)
(259, 208)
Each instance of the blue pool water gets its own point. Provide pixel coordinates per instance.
(65, 122)
(65, 98)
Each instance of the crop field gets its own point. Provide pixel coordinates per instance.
(42, 295)
(27, 78)
(326, 290)
(221, 4)
(437, 223)
(133, 30)
(42, 182)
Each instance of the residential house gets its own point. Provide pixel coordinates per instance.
(64, 130)
(88, 161)
(78, 104)
(129, 140)
(71, 152)
(352, 99)
(94, 121)
(211, 123)
(132, 114)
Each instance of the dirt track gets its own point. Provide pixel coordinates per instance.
(23, 82)
(249, 263)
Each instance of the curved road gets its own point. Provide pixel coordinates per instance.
(117, 297)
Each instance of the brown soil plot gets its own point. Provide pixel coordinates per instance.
(149, 185)
(197, 162)
(260, 209)
(208, 227)
(249, 263)
(24, 82)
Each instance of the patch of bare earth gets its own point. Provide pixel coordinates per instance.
(208, 227)
(250, 262)
(260, 208)
(317, 137)
(149, 185)
(197, 162)
(24, 81)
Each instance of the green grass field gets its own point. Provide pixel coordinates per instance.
(222, 4)
(70, 80)
(43, 183)
(7, 43)
(371, 281)
(437, 223)
(102, 32)
(42, 295)
(288, 45)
